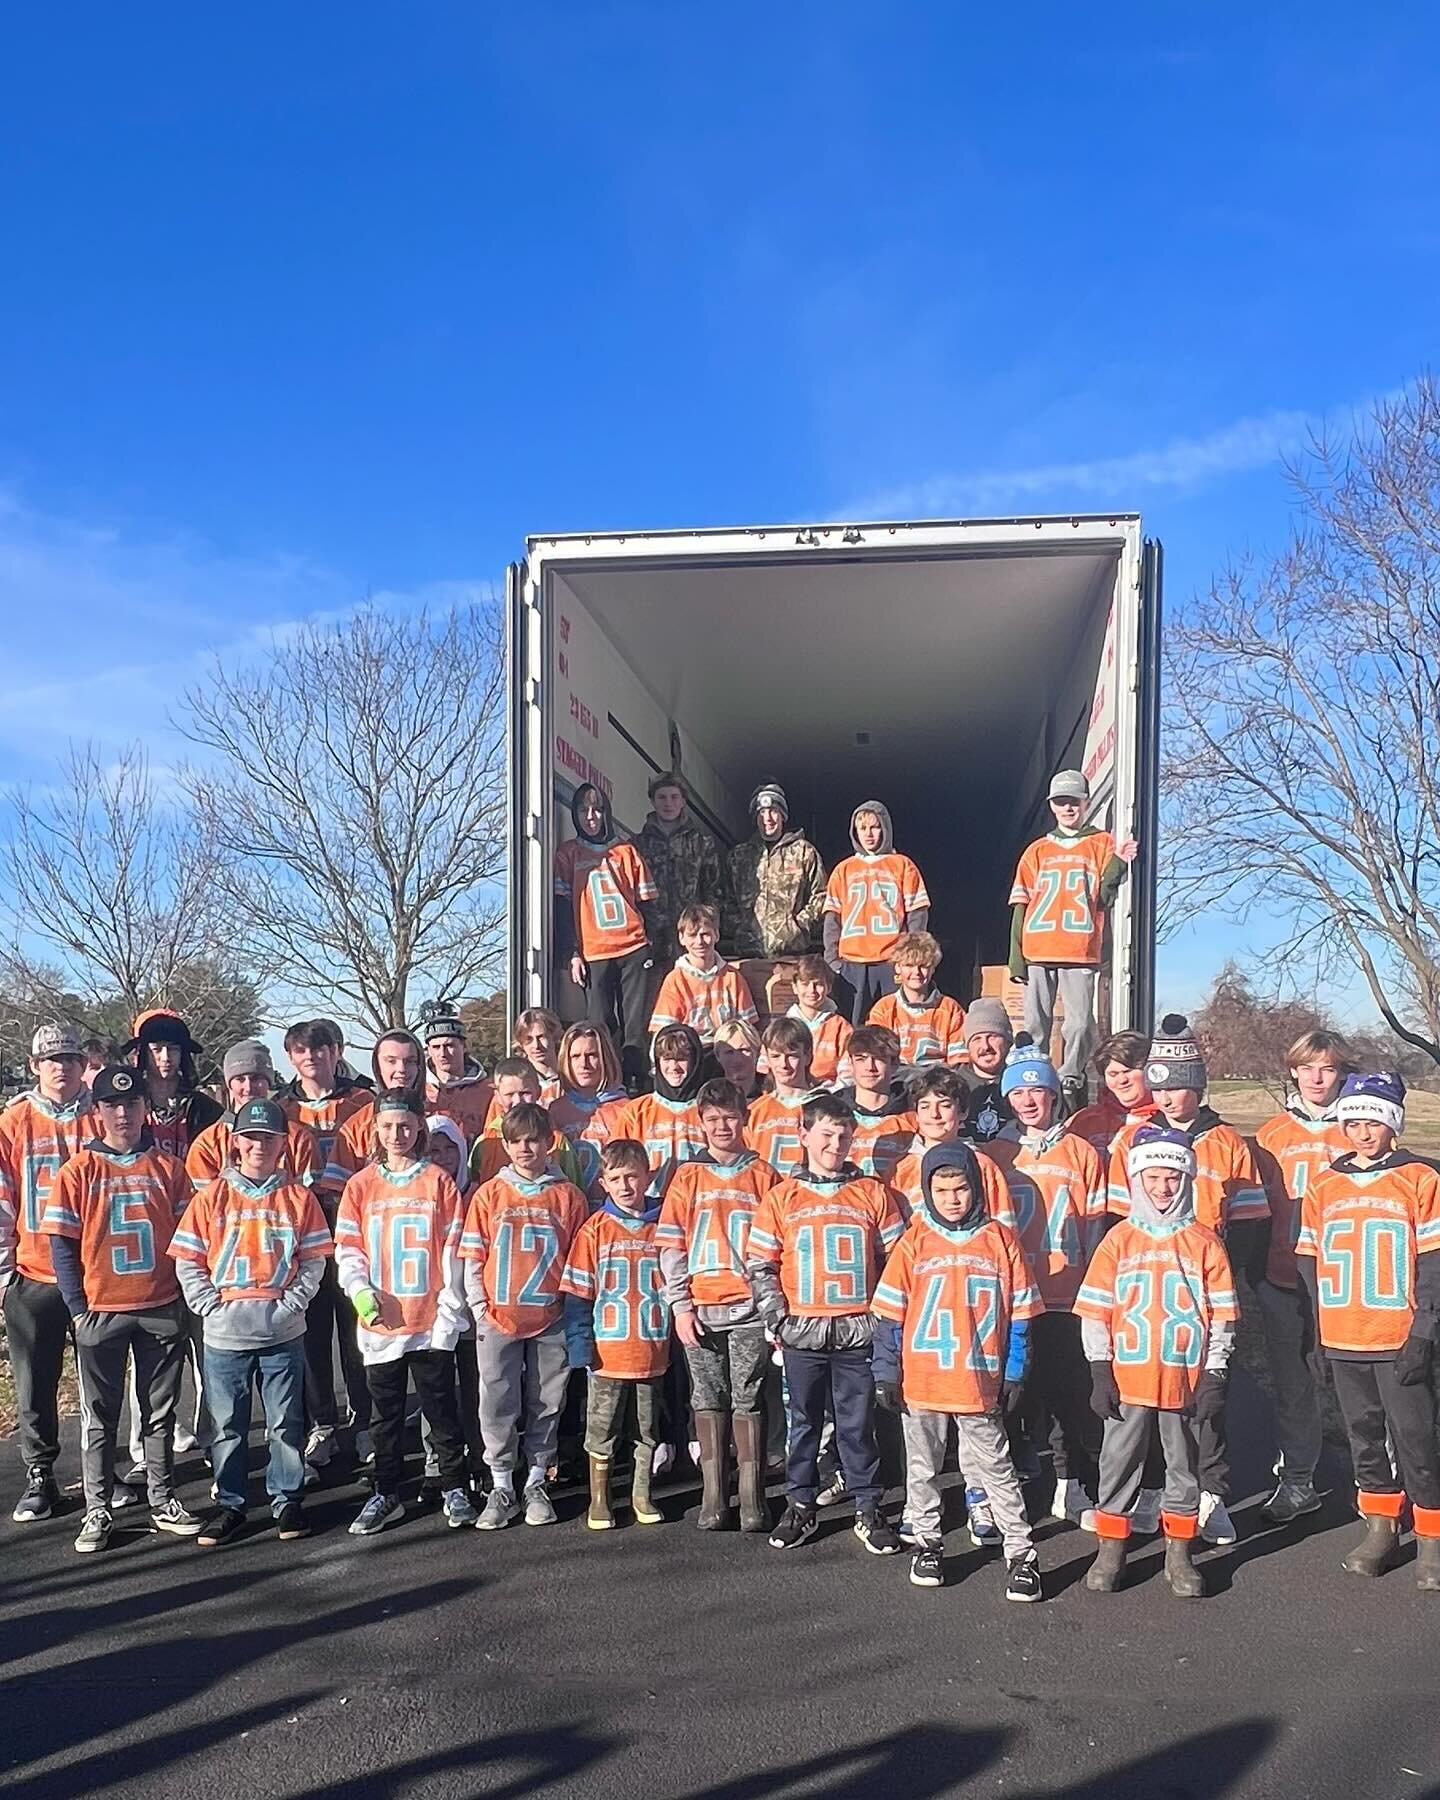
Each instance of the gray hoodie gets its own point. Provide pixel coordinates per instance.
(251, 1324)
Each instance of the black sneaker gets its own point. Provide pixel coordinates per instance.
(927, 1566)
(797, 1524)
(291, 1523)
(221, 1527)
(875, 1534)
(1022, 1578)
(39, 1500)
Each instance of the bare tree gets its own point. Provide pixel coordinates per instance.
(108, 871)
(354, 781)
(1304, 722)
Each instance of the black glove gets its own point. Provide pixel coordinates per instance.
(1104, 1394)
(1209, 1397)
(887, 1397)
(1012, 1392)
(1412, 1363)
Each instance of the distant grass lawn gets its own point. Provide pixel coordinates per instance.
(1246, 1105)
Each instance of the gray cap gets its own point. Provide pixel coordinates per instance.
(1176, 1059)
(55, 1040)
(1069, 784)
(248, 1058)
(987, 1016)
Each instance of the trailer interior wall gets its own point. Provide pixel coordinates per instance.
(949, 686)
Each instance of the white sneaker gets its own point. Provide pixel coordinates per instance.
(499, 1509)
(833, 1491)
(1071, 1503)
(663, 1462)
(94, 1532)
(186, 1443)
(1087, 1520)
(539, 1509)
(1216, 1525)
(364, 1447)
(1145, 1513)
(320, 1446)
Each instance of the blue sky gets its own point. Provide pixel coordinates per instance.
(305, 302)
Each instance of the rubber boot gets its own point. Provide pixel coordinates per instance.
(712, 1429)
(1186, 1581)
(1427, 1549)
(1377, 1551)
(600, 1517)
(645, 1510)
(1108, 1569)
(749, 1458)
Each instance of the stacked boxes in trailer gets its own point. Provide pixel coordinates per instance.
(947, 669)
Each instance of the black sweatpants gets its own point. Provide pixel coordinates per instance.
(859, 985)
(1371, 1399)
(330, 1314)
(1059, 1384)
(618, 997)
(433, 1372)
(38, 1323)
(841, 1379)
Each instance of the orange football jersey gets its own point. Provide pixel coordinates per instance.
(252, 1237)
(1058, 884)
(34, 1142)
(905, 1180)
(872, 895)
(520, 1233)
(1227, 1181)
(927, 1034)
(708, 1211)
(772, 1131)
(1058, 1193)
(703, 999)
(1365, 1228)
(324, 1118)
(614, 1263)
(1290, 1152)
(830, 1239)
(830, 1036)
(402, 1227)
(954, 1294)
(122, 1210)
(605, 885)
(669, 1129)
(1159, 1293)
(209, 1155)
(881, 1140)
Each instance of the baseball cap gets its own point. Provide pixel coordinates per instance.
(260, 1116)
(1069, 784)
(55, 1040)
(117, 1081)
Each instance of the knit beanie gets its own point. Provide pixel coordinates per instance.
(987, 1016)
(1377, 1097)
(770, 793)
(1027, 1066)
(1157, 1147)
(444, 1025)
(1175, 1059)
(248, 1058)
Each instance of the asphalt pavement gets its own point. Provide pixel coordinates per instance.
(664, 1662)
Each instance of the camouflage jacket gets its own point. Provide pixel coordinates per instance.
(777, 894)
(687, 869)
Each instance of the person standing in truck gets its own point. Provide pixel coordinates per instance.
(605, 927)
(683, 860)
(874, 899)
(777, 883)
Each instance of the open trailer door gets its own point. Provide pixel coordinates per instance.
(527, 869)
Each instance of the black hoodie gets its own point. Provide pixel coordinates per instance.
(954, 1156)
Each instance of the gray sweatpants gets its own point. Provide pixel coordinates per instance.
(1076, 988)
(985, 1461)
(1297, 1409)
(103, 1343)
(532, 1372)
(1122, 1459)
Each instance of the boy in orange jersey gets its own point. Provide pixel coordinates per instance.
(666, 1121)
(1157, 1309)
(250, 1075)
(1230, 1198)
(1369, 1225)
(939, 1102)
(321, 1100)
(929, 1024)
(774, 1130)
(455, 1083)
(397, 1061)
(1057, 1187)
(605, 925)
(704, 1233)
(1291, 1149)
(249, 1253)
(39, 1131)
(1065, 883)
(591, 1091)
(617, 1324)
(955, 1303)
(829, 1029)
(884, 1119)
(1123, 1099)
(518, 1229)
(872, 899)
(817, 1243)
(397, 1247)
(702, 990)
(110, 1216)
(737, 1051)
(517, 1084)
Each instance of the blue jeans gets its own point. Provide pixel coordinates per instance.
(229, 1378)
